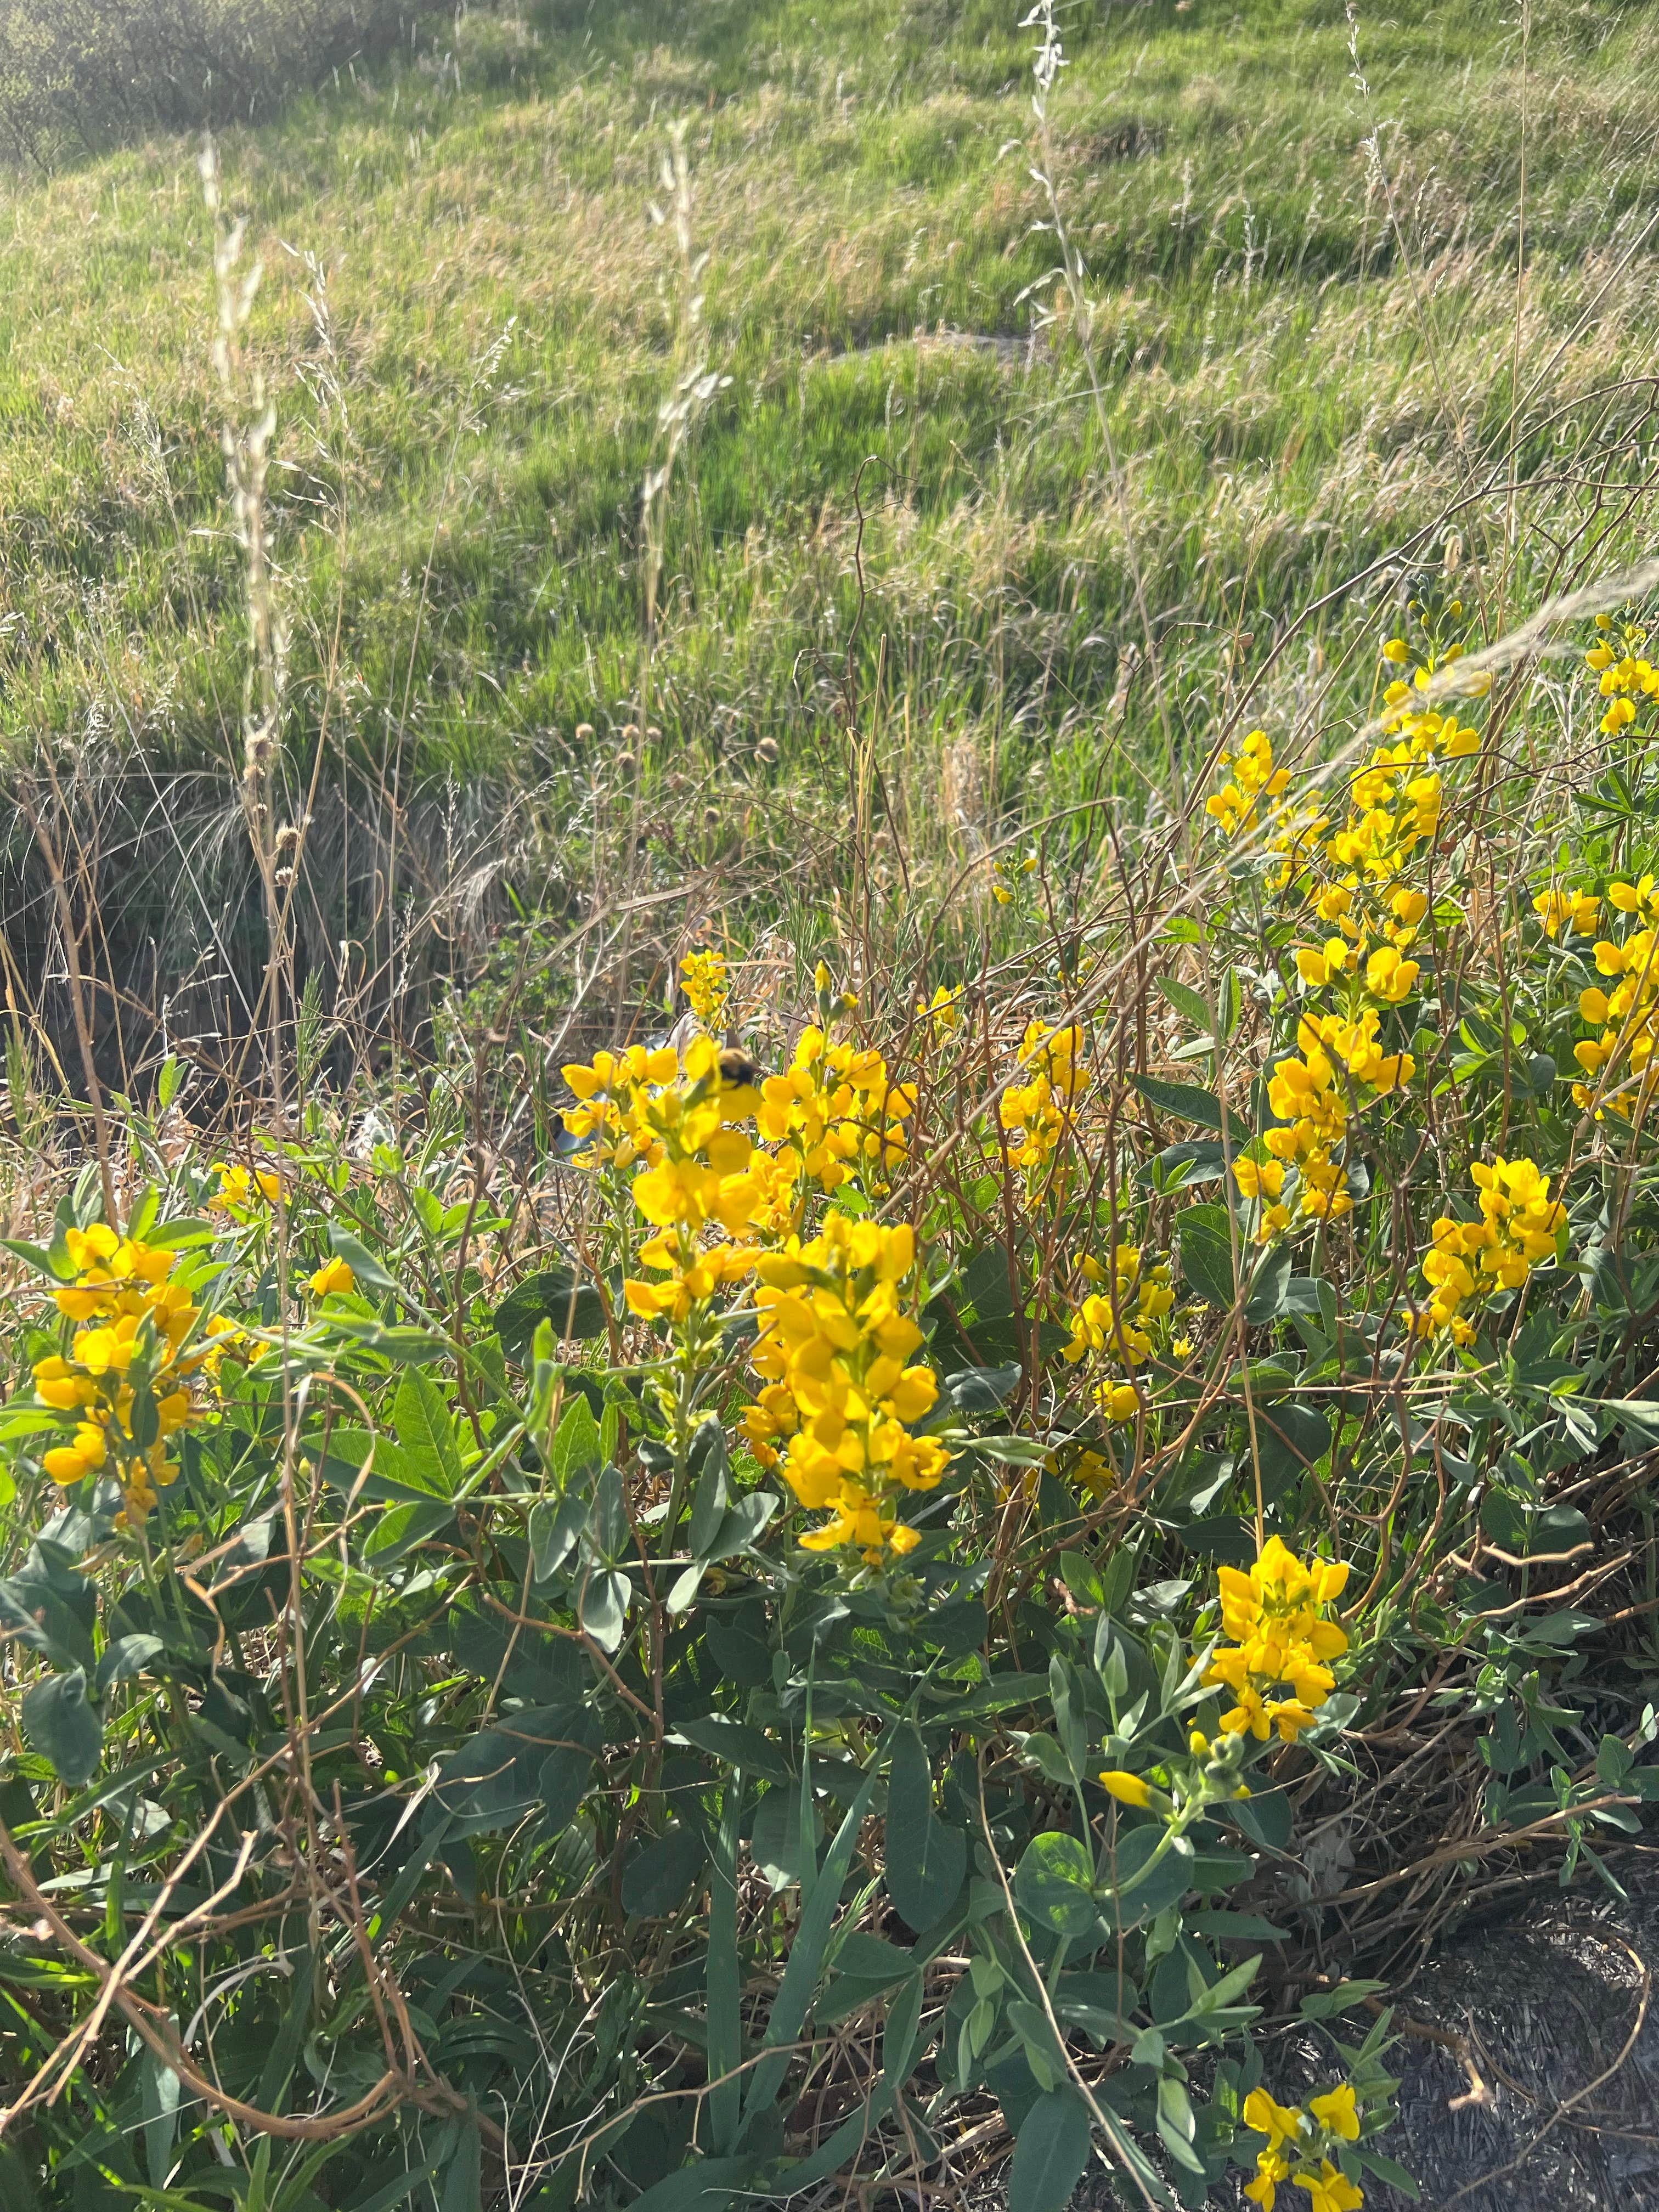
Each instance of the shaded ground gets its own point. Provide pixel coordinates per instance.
(1561, 2023)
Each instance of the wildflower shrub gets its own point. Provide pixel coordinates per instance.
(810, 1633)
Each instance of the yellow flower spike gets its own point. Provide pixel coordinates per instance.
(1127, 1789)
(706, 985)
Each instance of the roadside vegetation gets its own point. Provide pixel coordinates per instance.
(830, 973)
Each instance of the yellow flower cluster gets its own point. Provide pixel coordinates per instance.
(1626, 673)
(1280, 1640)
(1035, 1114)
(1576, 911)
(1297, 2151)
(1518, 1228)
(706, 985)
(1006, 875)
(1310, 1091)
(704, 1174)
(837, 1108)
(126, 1382)
(1353, 880)
(1251, 777)
(613, 1095)
(841, 1385)
(1627, 1014)
(1118, 1322)
(241, 1189)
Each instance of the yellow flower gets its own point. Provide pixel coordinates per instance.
(333, 1276)
(1388, 977)
(1253, 1176)
(1127, 1789)
(1279, 2123)
(1338, 2110)
(241, 1188)
(1119, 1402)
(69, 1463)
(1330, 2189)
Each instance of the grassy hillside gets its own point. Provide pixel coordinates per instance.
(1352, 293)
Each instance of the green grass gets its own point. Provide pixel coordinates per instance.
(1307, 329)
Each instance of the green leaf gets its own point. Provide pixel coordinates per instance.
(1270, 1285)
(126, 1657)
(1137, 1889)
(660, 1871)
(361, 1261)
(555, 1525)
(158, 2092)
(775, 1845)
(462, 2179)
(36, 1255)
(426, 1429)
(1206, 1255)
(724, 1975)
(803, 1976)
(1050, 2152)
(62, 1723)
(1054, 1883)
(739, 1744)
(1185, 1101)
(1233, 1983)
(1326, 2004)
(926, 1862)
(1386, 2169)
(284, 2053)
(1185, 1001)
(705, 2187)
(606, 1597)
(555, 1294)
(577, 1453)
(708, 1505)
